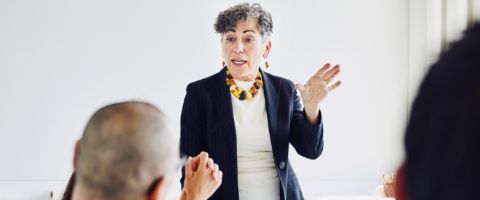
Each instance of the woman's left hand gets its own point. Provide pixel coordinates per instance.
(316, 89)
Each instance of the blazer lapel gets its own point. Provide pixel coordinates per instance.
(223, 102)
(271, 102)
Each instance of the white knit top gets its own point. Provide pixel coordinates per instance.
(257, 176)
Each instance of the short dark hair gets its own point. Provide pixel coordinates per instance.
(227, 19)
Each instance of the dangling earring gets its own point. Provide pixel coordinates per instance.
(266, 64)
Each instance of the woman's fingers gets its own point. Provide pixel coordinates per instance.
(332, 87)
(330, 74)
(333, 75)
(321, 71)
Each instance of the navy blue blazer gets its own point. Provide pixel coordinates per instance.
(207, 124)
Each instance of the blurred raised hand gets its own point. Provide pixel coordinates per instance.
(202, 178)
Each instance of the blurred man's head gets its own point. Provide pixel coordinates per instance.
(126, 152)
(443, 135)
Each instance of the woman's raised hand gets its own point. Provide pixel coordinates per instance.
(317, 88)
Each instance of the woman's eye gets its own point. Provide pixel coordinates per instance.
(248, 40)
(230, 39)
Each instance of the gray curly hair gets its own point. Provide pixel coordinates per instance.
(227, 19)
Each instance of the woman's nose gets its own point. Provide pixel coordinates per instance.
(238, 48)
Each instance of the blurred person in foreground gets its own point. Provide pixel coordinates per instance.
(443, 135)
(127, 152)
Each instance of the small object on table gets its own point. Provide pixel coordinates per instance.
(389, 181)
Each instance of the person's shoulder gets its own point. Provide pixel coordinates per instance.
(473, 33)
(280, 80)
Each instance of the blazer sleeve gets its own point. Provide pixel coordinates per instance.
(306, 138)
(191, 124)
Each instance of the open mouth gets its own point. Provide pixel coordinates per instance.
(238, 61)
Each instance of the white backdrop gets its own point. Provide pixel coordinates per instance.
(62, 60)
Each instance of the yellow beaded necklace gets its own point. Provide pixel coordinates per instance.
(242, 94)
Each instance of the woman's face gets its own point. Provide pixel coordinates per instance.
(243, 50)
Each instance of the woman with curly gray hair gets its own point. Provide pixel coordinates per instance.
(245, 118)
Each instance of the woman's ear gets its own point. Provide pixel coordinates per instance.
(268, 46)
(75, 154)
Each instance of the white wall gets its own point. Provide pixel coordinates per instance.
(433, 26)
(62, 60)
